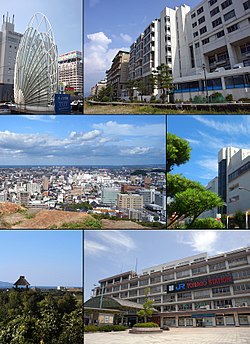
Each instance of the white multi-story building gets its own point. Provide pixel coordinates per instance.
(194, 291)
(9, 43)
(70, 70)
(207, 47)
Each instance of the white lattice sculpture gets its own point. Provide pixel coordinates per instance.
(36, 67)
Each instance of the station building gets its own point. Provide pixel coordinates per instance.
(196, 291)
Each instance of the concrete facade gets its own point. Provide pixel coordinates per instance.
(70, 70)
(9, 43)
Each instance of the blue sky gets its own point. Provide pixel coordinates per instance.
(207, 134)
(64, 16)
(107, 253)
(82, 140)
(110, 26)
(45, 258)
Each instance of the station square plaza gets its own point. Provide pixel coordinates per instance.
(232, 335)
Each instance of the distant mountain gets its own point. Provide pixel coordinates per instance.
(5, 284)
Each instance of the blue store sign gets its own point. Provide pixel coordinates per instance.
(62, 103)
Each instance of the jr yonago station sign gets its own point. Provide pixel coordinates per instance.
(200, 283)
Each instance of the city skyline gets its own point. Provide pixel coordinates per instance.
(138, 252)
(45, 258)
(77, 140)
(63, 18)
(106, 34)
(206, 136)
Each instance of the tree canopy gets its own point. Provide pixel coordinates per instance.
(178, 151)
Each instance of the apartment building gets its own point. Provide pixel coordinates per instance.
(234, 176)
(195, 291)
(9, 43)
(95, 90)
(117, 75)
(70, 70)
(218, 50)
(207, 48)
(129, 201)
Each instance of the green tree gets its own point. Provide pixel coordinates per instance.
(147, 310)
(177, 183)
(162, 79)
(105, 94)
(240, 219)
(141, 88)
(191, 203)
(178, 151)
(72, 325)
(206, 224)
(130, 87)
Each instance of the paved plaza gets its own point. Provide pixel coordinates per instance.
(232, 335)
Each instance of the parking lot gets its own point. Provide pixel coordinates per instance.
(231, 335)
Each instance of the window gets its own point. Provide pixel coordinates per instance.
(133, 284)
(214, 11)
(197, 45)
(194, 24)
(168, 297)
(169, 308)
(155, 289)
(229, 15)
(238, 288)
(205, 41)
(184, 307)
(200, 10)
(238, 261)
(216, 22)
(221, 290)
(168, 277)
(218, 266)
(222, 303)
(241, 274)
(201, 20)
(245, 49)
(246, 5)
(202, 305)
(220, 34)
(155, 279)
(237, 82)
(124, 286)
(203, 30)
(181, 296)
(200, 270)
(232, 28)
(184, 273)
(193, 15)
(201, 294)
(212, 2)
(195, 34)
(143, 282)
(226, 3)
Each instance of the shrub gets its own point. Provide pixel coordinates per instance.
(90, 328)
(206, 223)
(105, 99)
(229, 97)
(217, 97)
(199, 100)
(120, 328)
(147, 324)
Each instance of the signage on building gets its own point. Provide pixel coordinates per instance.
(200, 283)
(62, 103)
(204, 315)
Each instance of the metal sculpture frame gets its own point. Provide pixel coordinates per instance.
(36, 67)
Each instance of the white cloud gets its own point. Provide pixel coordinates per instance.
(42, 118)
(112, 128)
(136, 150)
(85, 136)
(94, 248)
(126, 38)
(117, 240)
(209, 164)
(195, 142)
(226, 127)
(201, 241)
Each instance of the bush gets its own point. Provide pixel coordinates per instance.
(105, 99)
(90, 328)
(120, 328)
(229, 98)
(199, 100)
(217, 97)
(206, 223)
(148, 324)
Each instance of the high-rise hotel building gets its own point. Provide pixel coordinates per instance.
(207, 47)
(70, 70)
(195, 291)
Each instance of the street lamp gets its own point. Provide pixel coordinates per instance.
(248, 211)
(205, 76)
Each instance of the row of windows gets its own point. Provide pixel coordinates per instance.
(246, 5)
(245, 167)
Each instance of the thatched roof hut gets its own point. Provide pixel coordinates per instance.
(22, 282)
